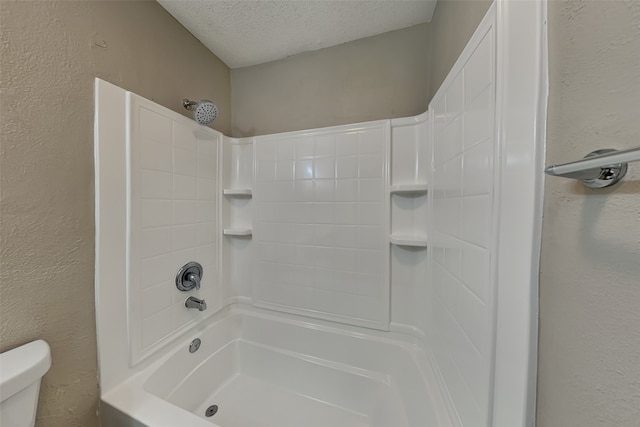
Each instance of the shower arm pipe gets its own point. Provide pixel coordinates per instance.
(599, 169)
(188, 105)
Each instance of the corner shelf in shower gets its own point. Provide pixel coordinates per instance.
(408, 240)
(237, 232)
(238, 192)
(409, 189)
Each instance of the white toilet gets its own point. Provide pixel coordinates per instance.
(21, 370)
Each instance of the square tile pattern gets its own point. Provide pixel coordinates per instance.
(174, 220)
(462, 212)
(322, 225)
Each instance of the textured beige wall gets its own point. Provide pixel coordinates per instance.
(390, 75)
(452, 25)
(589, 350)
(50, 52)
(374, 78)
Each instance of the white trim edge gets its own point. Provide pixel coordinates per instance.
(521, 99)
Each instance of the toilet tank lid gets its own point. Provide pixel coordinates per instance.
(22, 367)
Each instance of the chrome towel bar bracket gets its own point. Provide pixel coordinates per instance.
(599, 169)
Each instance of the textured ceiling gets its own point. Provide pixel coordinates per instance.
(244, 33)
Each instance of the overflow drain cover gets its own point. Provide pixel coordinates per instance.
(195, 345)
(211, 410)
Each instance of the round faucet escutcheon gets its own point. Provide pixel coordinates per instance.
(189, 276)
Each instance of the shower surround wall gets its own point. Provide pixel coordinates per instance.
(322, 224)
(462, 228)
(321, 218)
(174, 216)
(308, 235)
(302, 230)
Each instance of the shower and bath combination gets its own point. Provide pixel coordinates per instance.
(204, 111)
(374, 274)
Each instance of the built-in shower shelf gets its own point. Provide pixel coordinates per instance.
(408, 240)
(238, 192)
(237, 232)
(409, 189)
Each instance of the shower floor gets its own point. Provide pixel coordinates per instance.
(246, 401)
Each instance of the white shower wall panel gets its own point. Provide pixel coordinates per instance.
(173, 219)
(462, 229)
(322, 223)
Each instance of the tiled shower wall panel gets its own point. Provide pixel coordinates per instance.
(173, 219)
(464, 145)
(322, 224)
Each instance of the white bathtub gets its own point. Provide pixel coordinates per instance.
(264, 369)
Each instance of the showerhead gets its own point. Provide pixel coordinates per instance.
(204, 111)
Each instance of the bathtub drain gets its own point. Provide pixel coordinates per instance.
(211, 410)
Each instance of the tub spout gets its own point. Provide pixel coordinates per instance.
(193, 302)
